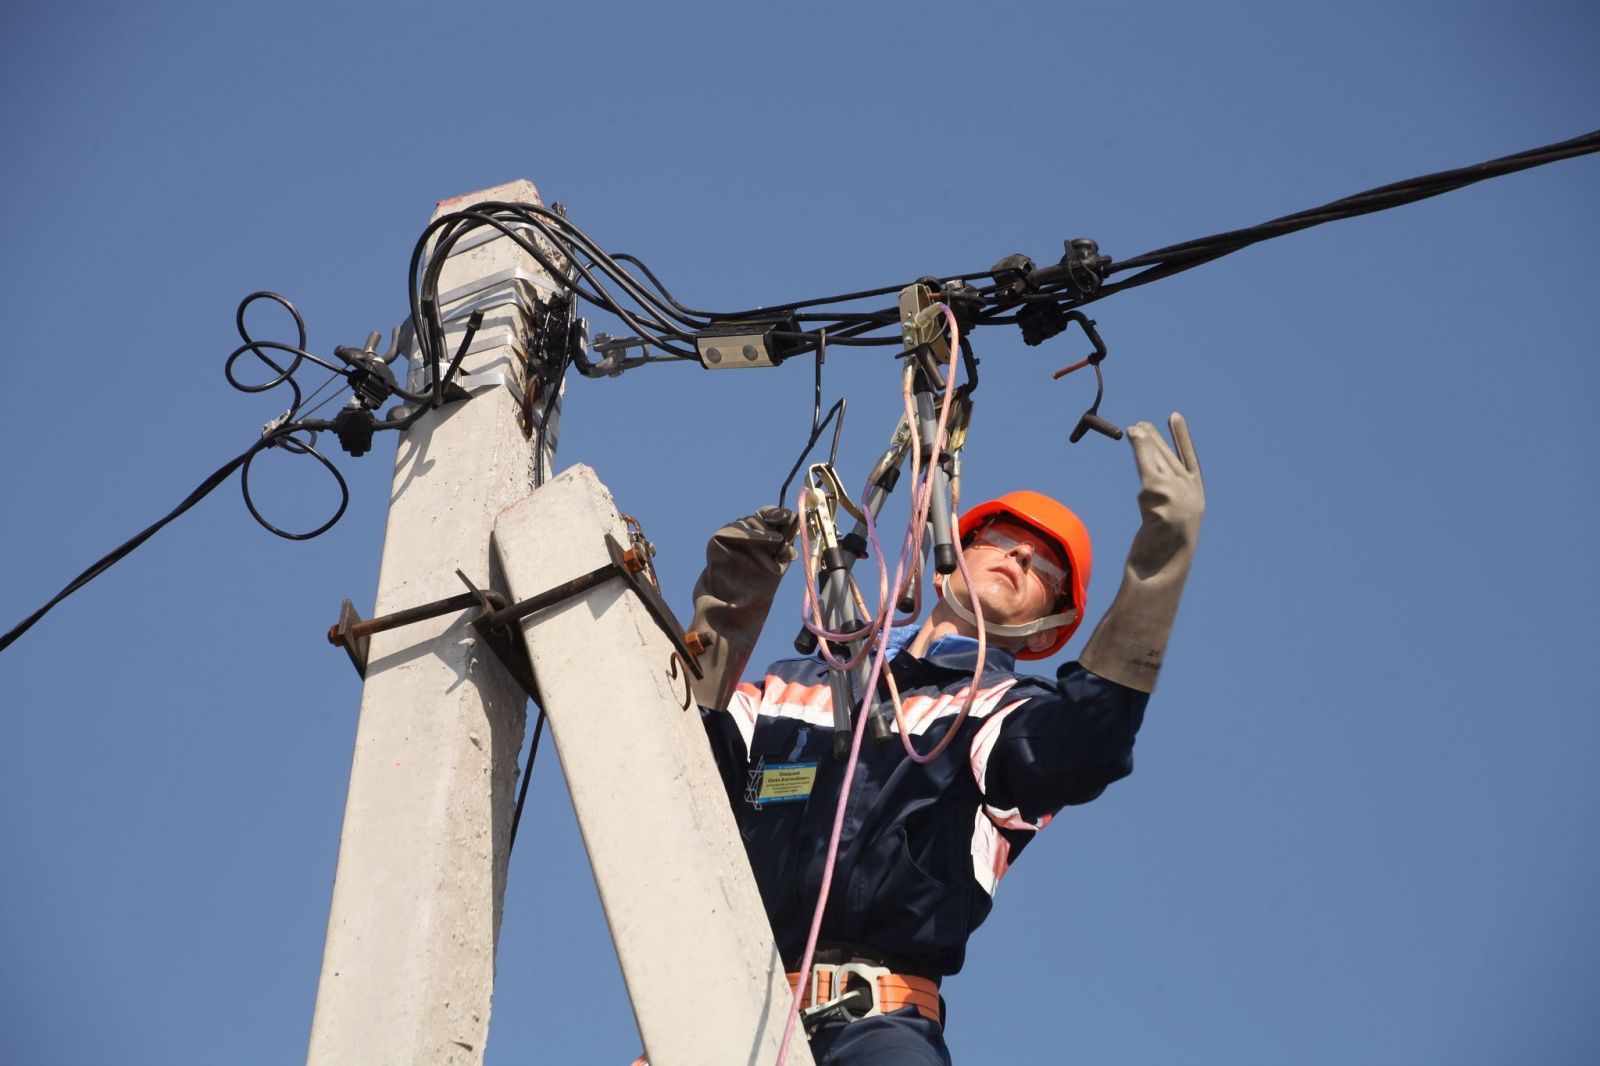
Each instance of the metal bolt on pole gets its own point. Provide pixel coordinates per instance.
(408, 965)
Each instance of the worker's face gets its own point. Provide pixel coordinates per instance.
(1017, 573)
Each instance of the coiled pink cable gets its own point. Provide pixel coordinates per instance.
(877, 630)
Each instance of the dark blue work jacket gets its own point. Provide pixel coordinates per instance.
(923, 846)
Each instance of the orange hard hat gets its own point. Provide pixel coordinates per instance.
(1057, 522)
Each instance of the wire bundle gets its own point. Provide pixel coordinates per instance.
(1164, 262)
(1036, 298)
(1014, 289)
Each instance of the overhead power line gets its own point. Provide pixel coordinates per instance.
(1039, 299)
(1164, 262)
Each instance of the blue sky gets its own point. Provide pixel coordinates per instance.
(1363, 826)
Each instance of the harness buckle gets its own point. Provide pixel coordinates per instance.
(847, 1003)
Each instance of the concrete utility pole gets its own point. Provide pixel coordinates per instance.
(706, 981)
(408, 966)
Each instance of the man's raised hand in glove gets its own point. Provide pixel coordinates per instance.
(745, 561)
(1131, 640)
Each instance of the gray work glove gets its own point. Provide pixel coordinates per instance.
(745, 561)
(1130, 641)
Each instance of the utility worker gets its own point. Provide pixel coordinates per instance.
(924, 846)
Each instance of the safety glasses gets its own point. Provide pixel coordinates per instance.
(1053, 576)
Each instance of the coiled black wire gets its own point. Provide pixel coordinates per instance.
(294, 437)
(122, 550)
(281, 432)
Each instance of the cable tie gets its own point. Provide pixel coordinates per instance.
(269, 428)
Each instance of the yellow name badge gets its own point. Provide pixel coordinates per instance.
(786, 782)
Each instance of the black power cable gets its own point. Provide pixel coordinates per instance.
(282, 433)
(1164, 262)
(1038, 299)
(122, 550)
(1072, 283)
(527, 776)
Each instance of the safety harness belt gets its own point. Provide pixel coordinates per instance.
(879, 992)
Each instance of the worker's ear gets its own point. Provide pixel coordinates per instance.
(1041, 640)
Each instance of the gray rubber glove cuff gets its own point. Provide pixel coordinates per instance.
(745, 562)
(1131, 640)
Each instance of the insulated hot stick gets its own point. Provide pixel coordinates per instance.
(927, 345)
(878, 714)
(853, 545)
(839, 600)
(818, 505)
(836, 611)
(944, 549)
(843, 699)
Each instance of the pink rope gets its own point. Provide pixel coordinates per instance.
(876, 630)
(925, 499)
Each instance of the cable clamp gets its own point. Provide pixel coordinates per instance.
(922, 322)
(614, 358)
(741, 344)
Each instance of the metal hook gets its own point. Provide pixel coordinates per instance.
(826, 480)
(674, 672)
(1091, 418)
(817, 424)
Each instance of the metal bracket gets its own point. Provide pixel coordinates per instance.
(625, 563)
(493, 290)
(514, 287)
(511, 652)
(470, 384)
(495, 616)
(354, 635)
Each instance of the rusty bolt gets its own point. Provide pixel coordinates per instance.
(698, 641)
(634, 560)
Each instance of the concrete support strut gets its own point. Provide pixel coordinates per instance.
(697, 954)
(408, 965)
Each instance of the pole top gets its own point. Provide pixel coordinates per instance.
(520, 190)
